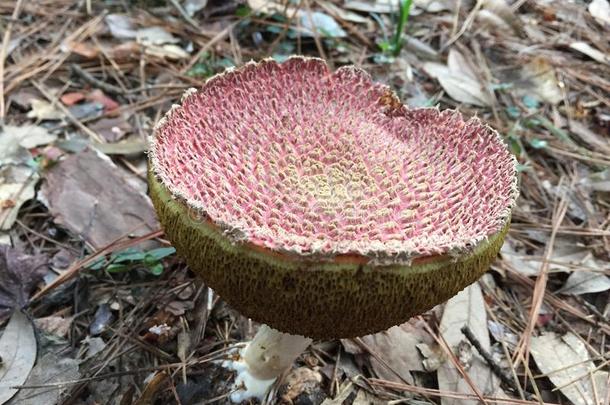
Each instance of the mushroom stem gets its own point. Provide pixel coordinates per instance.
(272, 352)
(263, 360)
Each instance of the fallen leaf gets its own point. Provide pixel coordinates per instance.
(19, 275)
(18, 354)
(72, 98)
(591, 52)
(155, 36)
(566, 362)
(324, 25)
(121, 26)
(86, 110)
(300, 381)
(14, 140)
(467, 308)
(376, 6)
(85, 49)
(588, 279)
(55, 325)
(502, 14)
(364, 398)
(17, 185)
(600, 10)
(192, 7)
(43, 110)
(397, 348)
(342, 13)
(539, 78)
(434, 6)
(459, 79)
(98, 96)
(112, 129)
(89, 195)
(49, 369)
(169, 51)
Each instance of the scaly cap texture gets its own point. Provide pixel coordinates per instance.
(283, 176)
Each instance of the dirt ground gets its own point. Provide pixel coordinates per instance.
(96, 308)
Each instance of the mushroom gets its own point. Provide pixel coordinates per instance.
(316, 203)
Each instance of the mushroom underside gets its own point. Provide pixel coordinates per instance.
(321, 300)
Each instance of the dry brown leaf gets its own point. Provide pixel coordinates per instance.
(397, 348)
(89, 195)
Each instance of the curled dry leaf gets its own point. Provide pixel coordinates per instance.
(459, 79)
(18, 354)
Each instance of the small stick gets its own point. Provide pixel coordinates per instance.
(88, 77)
(495, 367)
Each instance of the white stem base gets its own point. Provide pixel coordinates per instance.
(263, 360)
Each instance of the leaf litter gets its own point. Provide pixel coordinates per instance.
(535, 71)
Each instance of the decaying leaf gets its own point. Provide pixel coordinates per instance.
(589, 279)
(18, 354)
(49, 369)
(501, 15)
(466, 309)
(88, 194)
(19, 275)
(541, 81)
(15, 140)
(121, 26)
(397, 348)
(459, 80)
(566, 362)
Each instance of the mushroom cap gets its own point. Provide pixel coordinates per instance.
(317, 203)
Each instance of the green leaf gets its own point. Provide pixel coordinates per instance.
(98, 264)
(127, 255)
(117, 268)
(156, 269)
(161, 253)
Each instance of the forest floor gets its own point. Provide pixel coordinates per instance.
(97, 309)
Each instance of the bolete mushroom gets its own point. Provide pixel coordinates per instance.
(316, 203)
